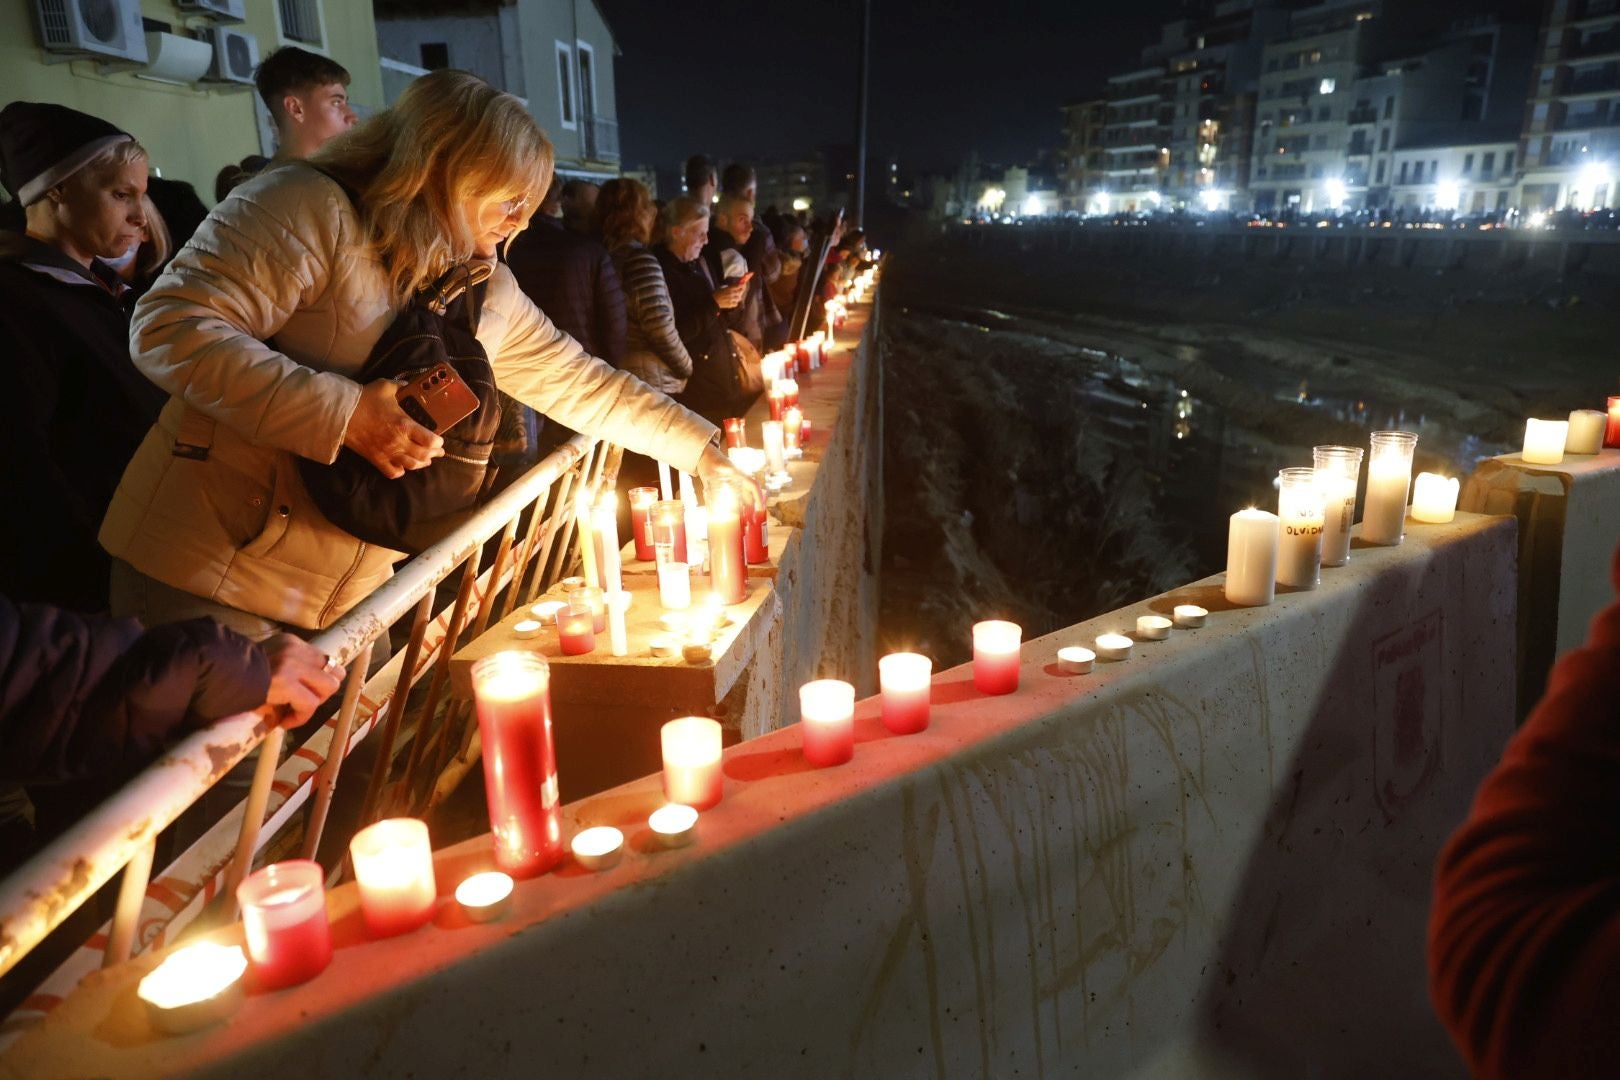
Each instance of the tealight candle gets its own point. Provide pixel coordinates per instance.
(512, 692)
(1300, 511)
(1544, 441)
(906, 682)
(696, 652)
(997, 646)
(1189, 616)
(284, 922)
(546, 610)
(1434, 498)
(1586, 428)
(664, 645)
(526, 628)
(1338, 470)
(1114, 647)
(691, 747)
(1152, 627)
(193, 987)
(641, 504)
(393, 866)
(1075, 659)
(598, 848)
(1251, 557)
(485, 897)
(827, 721)
(1389, 478)
(673, 825)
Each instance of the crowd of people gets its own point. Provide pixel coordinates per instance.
(175, 371)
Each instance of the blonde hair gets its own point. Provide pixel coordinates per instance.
(158, 244)
(449, 140)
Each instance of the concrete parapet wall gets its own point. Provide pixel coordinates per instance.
(1211, 859)
(1569, 524)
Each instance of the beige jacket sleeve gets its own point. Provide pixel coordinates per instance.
(550, 372)
(200, 333)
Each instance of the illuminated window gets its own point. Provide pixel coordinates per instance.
(1327, 86)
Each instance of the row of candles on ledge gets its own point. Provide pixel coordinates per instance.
(1585, 432)
(284, 916)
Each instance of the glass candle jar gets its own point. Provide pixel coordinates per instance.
(513, 695)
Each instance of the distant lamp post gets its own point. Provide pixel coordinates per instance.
(801, 204)
(1034, 205)
(1448, 195)
(1591, 178)
(1336, 193)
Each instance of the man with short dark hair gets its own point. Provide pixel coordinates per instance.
(578, 203)
(700, 179)
(739, 180)
(758, 247)
(308, 98)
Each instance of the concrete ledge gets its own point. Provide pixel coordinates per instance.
(1213, 857)
(1569, 524)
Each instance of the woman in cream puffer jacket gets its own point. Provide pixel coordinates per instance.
(257, 330)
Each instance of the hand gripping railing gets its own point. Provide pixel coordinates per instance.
(121, 832)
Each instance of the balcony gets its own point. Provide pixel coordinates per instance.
(599, 137)
(1605, 41)
(1603, 80)
(1361, 115)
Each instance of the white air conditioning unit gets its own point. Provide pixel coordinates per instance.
(236, 54)
(222, 10)
(175, 59)
(103, 27)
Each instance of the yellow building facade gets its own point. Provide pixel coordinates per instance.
(191, 130)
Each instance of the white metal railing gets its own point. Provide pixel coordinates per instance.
(122, 832)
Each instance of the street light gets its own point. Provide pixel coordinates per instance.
(1336, 192)
(1448, 195)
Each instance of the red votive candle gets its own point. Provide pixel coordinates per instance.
(728, 566)
(513, 694)
(827, 721)
(801, 356)
(289, 940)
(393, 865)
(1611, 433)
(756, 536)
(576, 628)
(906, 680)
(775, 397)
(669, 527)
(641, 504)
(691, 748)
(996, 647)
(595, 599)
(736, 431)
(804, 431)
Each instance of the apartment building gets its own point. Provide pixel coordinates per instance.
(1135, 136)
(1570, 145)
(1465, 179)
(1082, 162)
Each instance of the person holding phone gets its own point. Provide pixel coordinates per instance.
(258, 328)
(730, 229)
(703, 305)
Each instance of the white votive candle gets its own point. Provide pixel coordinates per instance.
(1544, 441)
(1251, 557)
(1152, 628)
(485, 897)
(393, 867)
(1300, 511)
(1586, 428)
(674, 586)
(1389, 480)
(1434, 498)
(691, 747)
(1114, 647)
(1075, 659)
(1338, 470)
(598, 848)
(1190, 616)
(673, 825)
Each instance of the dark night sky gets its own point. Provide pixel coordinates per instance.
(768, 78)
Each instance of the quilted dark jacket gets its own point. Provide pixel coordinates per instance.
(571, 278)
(82, 696)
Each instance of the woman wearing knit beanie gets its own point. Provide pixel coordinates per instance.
(77, 406)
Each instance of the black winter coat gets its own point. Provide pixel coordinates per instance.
(82, 697)
(76, 409)
(571, 278)
(713, 391)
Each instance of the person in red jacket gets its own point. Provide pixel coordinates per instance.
(1524, 938)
